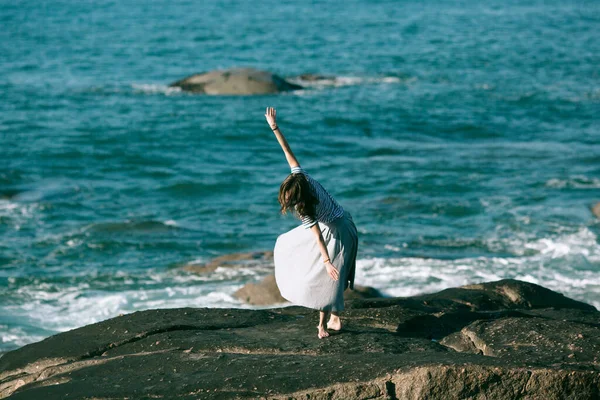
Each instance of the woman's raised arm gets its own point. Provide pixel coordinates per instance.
(271, 115)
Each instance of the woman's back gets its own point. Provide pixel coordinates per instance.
(327, 209)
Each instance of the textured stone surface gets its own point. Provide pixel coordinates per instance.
(497, 340)
(235, 81)
(261, 293)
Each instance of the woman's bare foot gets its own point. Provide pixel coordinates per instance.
(322, 332)
(334, 323)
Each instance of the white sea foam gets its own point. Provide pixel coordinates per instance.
(151, 88)
(568, 263)
(583, 242)
(16, 336)
(555, 263)
(16, 214)
(339, 81)
(57, 307)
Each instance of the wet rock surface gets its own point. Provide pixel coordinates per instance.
(497, 340)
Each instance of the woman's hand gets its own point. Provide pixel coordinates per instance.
(271, 115)
(333, 273)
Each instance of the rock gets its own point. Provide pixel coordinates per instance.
(497, 340)
(235, 81)
(311, 77)
(362, 292)
(263, 293)
(532, 339)
(9, 194)
(266, 292)
(253, 259)
(596, 210)
(315, 78)
(502, 294)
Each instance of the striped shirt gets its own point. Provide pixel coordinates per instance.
(327, 210)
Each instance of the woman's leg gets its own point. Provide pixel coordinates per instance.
(321, 327)
(334, 322)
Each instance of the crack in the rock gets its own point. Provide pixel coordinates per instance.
(31, 377)
(17, 375)
(143, 335)
(524, 390)
(477, 344)
(139, 336)
(390, 390)
(9, 376)
(58, 369)
(241, 350)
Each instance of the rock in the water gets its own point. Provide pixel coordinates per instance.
(266, 292)
(596, 210)
(251, 259)
(315, 77)
(244, 81)
(499, 340)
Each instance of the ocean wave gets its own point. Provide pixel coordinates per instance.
(339, 81)
(568, 263)
(15, 336)
(153, 88)
(574, 182)
(51, 305)
(17, 214)
(143, 226)
(10, 208)
(582, 242)
(101, 236)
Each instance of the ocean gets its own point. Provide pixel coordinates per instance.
(463, 137)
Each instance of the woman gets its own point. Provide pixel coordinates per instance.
(314, 262)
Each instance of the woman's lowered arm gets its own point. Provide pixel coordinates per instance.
(333, 273)
(270, 115)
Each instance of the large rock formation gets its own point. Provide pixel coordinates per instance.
(235, 81)
(499, 340)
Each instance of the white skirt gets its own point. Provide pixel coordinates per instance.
(299, 270)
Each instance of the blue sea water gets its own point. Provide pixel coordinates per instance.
(464, 138)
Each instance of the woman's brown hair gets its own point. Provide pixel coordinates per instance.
(295, 195)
